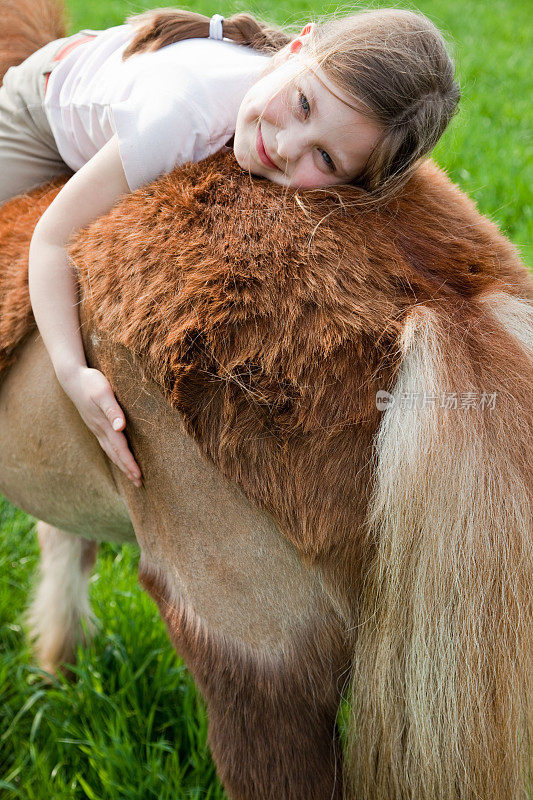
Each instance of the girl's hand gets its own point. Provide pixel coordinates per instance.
(92, 395)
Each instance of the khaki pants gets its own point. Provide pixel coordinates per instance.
(28, 152)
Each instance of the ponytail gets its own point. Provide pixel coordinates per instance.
(162, 26)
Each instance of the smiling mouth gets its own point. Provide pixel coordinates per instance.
(261, 151)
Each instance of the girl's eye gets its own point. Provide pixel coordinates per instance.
(304, 104)
(328, 160)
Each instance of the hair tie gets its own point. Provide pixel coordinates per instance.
(215, 27)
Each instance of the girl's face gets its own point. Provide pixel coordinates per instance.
(294, 130)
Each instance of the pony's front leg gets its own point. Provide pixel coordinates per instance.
(272, 725)
(61, 602)
(272, 715)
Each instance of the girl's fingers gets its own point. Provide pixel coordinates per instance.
(106, 402)
(94, 398)
(120, 446)
(113, 413)
(116, 447)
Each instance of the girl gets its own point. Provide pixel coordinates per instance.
(358, 99)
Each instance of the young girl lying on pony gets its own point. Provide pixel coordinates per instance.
(356, 99)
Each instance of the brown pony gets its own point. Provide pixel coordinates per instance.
(332, 410)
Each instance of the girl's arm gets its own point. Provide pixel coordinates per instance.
(89, 194)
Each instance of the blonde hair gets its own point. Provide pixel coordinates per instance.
(393, 63)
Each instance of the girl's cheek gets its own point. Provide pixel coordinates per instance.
(309, 177)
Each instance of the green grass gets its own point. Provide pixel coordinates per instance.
(133, 725)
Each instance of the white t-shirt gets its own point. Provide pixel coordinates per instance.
(168, 107)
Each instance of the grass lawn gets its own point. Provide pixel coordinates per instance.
(133, 725)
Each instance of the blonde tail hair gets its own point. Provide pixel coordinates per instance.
(441, 689)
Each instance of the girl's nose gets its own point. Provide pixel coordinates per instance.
(289, 145)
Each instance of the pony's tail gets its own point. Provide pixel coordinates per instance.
(25, 26)
(441, 688)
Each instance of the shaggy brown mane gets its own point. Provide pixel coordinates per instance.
(270, 318)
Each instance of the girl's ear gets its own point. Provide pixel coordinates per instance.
(308, 30)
